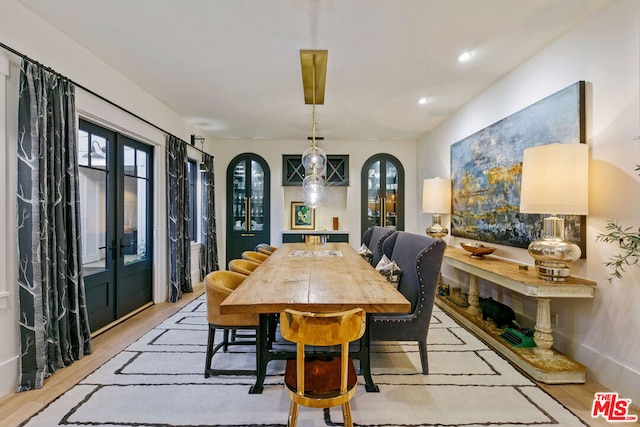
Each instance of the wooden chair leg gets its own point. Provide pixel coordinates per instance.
(293, 414)
(346, 414)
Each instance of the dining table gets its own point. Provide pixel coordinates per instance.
(313, 277)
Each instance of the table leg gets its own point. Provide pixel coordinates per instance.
(262, 354)
(365, 358)
(474, 302)
(543, 336)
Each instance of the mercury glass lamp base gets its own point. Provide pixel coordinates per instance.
(552, 253)
(436, 229)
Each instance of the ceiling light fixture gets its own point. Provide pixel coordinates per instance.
(423, 101)
(465, 56)
(314, 159)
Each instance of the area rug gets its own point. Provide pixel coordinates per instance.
(158, 381)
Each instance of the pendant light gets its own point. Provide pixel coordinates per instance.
(314, 159)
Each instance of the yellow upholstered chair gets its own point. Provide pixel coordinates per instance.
(243, 266)
(264, 251)
(265, 248)
(254, 256)
(219, 285)
(321, 382)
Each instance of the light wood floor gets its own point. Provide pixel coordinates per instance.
(18, 407)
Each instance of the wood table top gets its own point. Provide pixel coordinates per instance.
(315, 278)
(508, 273)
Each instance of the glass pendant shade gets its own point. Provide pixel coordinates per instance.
(314, 158)
(313, 191)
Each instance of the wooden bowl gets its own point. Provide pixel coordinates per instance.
(477, 250)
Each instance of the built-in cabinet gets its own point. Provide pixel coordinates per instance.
(382, 193)
(299, 236)
(248, 204)
(337, 171)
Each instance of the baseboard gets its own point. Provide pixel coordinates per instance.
(8, 376)
(610, 373)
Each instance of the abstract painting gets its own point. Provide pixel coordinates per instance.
(486, 170)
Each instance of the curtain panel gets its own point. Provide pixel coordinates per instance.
(178, 218)
(209, 260)
(53, 321)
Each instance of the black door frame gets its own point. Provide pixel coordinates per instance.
(108, 297)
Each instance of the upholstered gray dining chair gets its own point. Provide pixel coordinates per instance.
(420, 258)
(373, 238)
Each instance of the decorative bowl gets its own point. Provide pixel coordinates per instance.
(478, 250)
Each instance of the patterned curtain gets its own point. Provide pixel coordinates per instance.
(209, 261)
(54, 327)
(178, 207)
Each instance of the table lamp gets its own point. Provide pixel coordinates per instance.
(555, 180)
(436, 199)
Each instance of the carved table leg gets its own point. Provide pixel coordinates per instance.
(474, 304)
(543, 337)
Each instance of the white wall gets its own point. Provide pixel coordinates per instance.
(605, 52)
(272, 151)
(29, 35)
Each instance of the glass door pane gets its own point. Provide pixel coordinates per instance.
(391, 196)
(134, 245)
(93, 177)
(257, 196)
(374, 203)
(239, 195)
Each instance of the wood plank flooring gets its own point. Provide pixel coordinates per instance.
(18, 407)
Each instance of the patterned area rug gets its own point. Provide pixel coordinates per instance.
(158, 381)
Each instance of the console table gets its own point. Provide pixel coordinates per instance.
(542, 362)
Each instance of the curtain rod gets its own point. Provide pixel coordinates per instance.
(97, 95)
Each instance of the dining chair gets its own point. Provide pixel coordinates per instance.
(419, 258)
(265, 248)
(254, 256)
(321, 382)
(243, 266)
(218, 286)
(375, 236)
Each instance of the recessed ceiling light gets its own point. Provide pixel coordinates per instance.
(465, 56)
(423, 100)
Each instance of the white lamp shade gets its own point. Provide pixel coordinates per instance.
(436, 195)
(555, 179)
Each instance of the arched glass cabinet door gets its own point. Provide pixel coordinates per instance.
(382, 193)
(248, 204)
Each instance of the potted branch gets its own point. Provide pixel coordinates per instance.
(628, 240)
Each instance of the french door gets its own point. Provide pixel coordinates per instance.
(382, 193)
(248, 206)
(116, 221)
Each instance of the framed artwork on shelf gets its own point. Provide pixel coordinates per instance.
(302, 217)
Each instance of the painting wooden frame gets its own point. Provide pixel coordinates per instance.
(486, 170)
(302, 217)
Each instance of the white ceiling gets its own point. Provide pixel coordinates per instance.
(232, 67)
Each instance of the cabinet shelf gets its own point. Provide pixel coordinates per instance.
(337, 170)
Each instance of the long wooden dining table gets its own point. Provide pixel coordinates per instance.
(313, 278)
